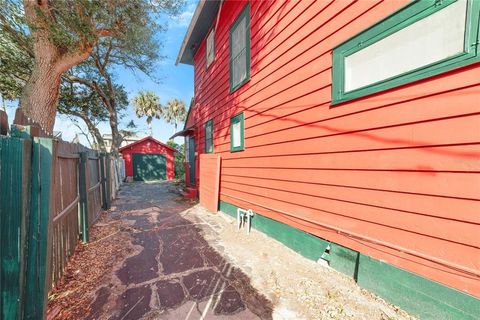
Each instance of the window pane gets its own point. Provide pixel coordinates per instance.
(239, 68)
(210, 47)
(432, 39)
(209, 146)
(236, 134)
(238, 37)
(208, 131)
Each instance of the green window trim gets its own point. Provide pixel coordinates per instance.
(244, 14)
(404, 17)
(237, 119)
(209, 139)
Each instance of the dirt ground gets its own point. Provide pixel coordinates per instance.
(158, 256)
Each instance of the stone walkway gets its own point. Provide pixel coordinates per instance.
(178, 261)
(173, 272)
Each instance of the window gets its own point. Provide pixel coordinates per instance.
(423, 39)
(210, 47)
(209, 136)
(240, 50)
(236, 133)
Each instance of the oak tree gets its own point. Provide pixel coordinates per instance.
(62, 34)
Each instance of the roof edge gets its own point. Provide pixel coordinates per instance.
(144, 139)
(192, 24)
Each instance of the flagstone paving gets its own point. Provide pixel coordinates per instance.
(174, 273)
(183, 262)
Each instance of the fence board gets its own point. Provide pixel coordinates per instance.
(94, 188)
(39, 222)
(117, 172)
(14, 197)
(65, 231)
(39, 217)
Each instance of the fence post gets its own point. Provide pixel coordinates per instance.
(108, 180)
(39, 233)
(3, 123)
(105, 173)
(14, 199)
(83, 191)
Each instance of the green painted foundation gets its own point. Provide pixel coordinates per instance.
(417, 295)
(307, 245)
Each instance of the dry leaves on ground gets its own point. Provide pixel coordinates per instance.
(90, 265)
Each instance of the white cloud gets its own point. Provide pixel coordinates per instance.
(184, 18)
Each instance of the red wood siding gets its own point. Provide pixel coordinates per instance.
(148, 146)
(210, 177)
(395, 175)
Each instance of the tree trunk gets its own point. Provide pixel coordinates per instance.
(40, 95)
(95, 134)
(116, 136)
(92, 129)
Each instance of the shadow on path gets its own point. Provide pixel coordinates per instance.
(173, 265)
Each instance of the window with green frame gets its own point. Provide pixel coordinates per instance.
(237, 133)
(240, 50)
(422, 39)
(209, 136)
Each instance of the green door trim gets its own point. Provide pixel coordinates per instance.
(191, 159)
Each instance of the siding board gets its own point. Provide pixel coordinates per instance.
(427, 205)
(401, 166)
(457, 232)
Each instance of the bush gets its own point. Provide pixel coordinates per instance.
(179, 159)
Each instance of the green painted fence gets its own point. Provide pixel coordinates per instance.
(38, 228)
(51, 192)
(14, 197)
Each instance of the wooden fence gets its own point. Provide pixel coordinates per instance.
(51, 192)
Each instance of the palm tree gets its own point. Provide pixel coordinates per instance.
(174, 112)
(147, 104)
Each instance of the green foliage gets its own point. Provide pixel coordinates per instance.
(75, 99)
(16, 56)
(179, 159)
(175, 112)
(75, 25)
(147, 104)
(119, 33)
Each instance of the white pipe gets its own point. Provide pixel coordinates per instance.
(241, 215)
(239, 218)
(249, 220)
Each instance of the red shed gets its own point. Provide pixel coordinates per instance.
(149, 159)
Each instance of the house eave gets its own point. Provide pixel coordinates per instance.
(202, 19)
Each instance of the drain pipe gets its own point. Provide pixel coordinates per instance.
(241, 215)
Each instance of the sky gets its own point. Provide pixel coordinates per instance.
(175, 82)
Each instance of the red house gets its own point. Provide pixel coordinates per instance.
(351, 129)
(148, 159)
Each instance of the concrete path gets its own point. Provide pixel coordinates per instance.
(173, 272)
